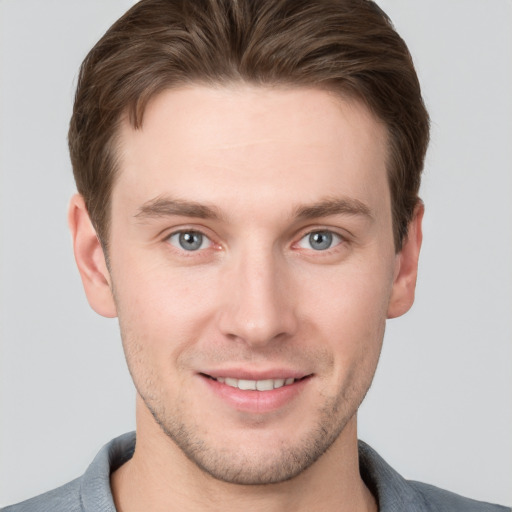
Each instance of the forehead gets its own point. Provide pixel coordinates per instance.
(277, 144)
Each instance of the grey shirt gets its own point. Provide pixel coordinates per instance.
(91, 492)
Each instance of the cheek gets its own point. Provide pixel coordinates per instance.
(348, 295)
(162, 309)
(350, 313)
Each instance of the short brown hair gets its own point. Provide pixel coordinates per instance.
(347, 46)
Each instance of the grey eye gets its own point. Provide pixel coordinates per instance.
(189, 240)
(320, 240)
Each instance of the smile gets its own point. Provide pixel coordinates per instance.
(257, 395)
(255, 385)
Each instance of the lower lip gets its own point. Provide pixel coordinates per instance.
(256, 401)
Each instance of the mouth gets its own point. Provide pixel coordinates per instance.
(256, 385)
(264, 393)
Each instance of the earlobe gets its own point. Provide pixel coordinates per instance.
(90, 259)
(406, 267)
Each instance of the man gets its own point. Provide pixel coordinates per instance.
(248, 208)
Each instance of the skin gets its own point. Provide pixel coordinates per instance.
(255, 171)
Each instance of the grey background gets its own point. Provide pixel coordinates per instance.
(440, 409)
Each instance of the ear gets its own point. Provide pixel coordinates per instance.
(90, 259)
(406, 267)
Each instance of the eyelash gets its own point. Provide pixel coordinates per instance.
(332, 236)
(336, 238)
(199, 250)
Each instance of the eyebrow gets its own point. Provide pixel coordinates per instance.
(167, 207)
(336, 206)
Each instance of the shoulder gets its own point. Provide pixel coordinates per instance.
(62, 499)
(440, 500)
(394, 493)
(89, 493)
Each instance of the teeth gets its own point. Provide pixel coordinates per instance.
(247, 385)
(264, 385)
(253, 385)
(279, 383)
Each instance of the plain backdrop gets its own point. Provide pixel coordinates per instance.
(440, 409)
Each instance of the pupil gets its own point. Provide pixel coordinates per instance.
(191, 241)
(320, 240)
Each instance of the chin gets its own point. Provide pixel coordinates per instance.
(259, 455)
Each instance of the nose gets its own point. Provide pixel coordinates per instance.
(258, 300)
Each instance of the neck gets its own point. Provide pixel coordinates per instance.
(160, 477)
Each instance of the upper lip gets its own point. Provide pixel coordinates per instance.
(246, 374)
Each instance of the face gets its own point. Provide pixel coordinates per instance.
(252, 267)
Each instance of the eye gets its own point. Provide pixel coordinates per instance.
(320, 240)
(189, 240)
